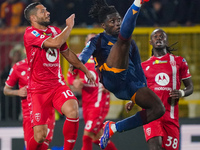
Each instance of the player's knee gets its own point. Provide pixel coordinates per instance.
(40, 133)
(72, 112)
(159, 110)
(40, 137)
(70, 109)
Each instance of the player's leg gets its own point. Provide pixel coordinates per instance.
(154, 133)
(155, 143)
(67, 104)
(71, 124)
(39, 118)
(119, 54)
(36, 141)
(153, 109)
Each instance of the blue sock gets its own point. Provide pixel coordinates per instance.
(131, 122)
(129, 22)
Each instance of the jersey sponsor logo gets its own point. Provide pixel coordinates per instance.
(37, 117)
(163, 89)
(35, 33)
(148, 131)
(162, 79)
(159, 62)
(51, 55)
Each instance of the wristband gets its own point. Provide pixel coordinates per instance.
(182, 93)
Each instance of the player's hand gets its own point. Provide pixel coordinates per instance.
(129, 106)
(70, 21)
(175, 94)
(71, 69)
(78, 83)
(91, 78)
(22, 92)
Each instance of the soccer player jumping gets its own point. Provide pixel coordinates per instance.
(118, 62)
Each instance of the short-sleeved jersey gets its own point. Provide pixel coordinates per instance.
(124, 83)
(91, 94)
(44, 70)
(164, 74)
(18, 74)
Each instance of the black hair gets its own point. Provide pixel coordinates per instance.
(29, 10)
(100, 10)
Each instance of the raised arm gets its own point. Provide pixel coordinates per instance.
(59, 40)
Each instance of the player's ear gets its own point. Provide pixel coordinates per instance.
(103, 25)
(150, 42)
(32, 18)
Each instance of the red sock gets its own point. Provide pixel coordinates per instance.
(45, 145)
(70, 132)
(110, 146)
(87, 143)
(33, 145)
(96, 142)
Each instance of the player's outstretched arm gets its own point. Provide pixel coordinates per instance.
(74, 61)
(59, 40)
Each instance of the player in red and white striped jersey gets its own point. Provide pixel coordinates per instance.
(46, 85)
(164, 73)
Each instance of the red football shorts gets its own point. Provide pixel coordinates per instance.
(43, 103)
(168, 131)
(94, 117)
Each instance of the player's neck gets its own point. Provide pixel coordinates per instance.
(38, 26)
(159, 53)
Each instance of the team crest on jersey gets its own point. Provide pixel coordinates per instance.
(42, 36)
(162, 79)
(51, 55)
(35, 33)
(148, 131)
(37, 117)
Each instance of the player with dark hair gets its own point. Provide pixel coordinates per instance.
(118, 62)
(46, 85)
(95, 103)
(18, 74)
(164, 72)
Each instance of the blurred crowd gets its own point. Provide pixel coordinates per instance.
(153, 13)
